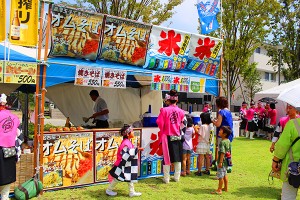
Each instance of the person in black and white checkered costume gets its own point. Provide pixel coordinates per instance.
(126, 166)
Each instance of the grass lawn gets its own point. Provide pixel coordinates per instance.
(248, 180)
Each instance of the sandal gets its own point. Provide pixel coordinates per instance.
(207, 172)
(198, 173)
(216, 192)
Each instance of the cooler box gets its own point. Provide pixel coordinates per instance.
(149, 121)
(196, 119)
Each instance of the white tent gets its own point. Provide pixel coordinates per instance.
(273, 93)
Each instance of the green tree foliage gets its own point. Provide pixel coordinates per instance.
(251, 80)
(245, 27)
(148, 11)
(286, 31)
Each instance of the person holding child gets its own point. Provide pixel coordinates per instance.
(224, 147)
(203, 147)
(126, 166)
(187, 147)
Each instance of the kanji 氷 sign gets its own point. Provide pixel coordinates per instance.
(68, 159)
(197, 85)
(161, 82)
(88, 76)
(1, 71)
(180, 83)
(114, 78)
(125, 41)
(168, 49)
(20, 72)
(3, 21)
(24, 22)
(75, 33)
(205, 54)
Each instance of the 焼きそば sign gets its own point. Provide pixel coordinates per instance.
(168, 49)
(114, 78)
(20, 72)
(24, 22)
(68, 159)
(197, 85)
(75, 33)
(88, 76)
(125, 41)
(106, 149)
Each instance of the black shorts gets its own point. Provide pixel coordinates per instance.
(243, 124)
(252, 126)
(175, 150)
(102, 124)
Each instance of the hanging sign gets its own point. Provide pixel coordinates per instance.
(24, 22)
(168, 49)
(3, 21)
(20, 72)
(75, 33)
(125, 41)
(205, 54)
(180, 83)
(1, 71)
(161, 82)
(68, 159)
(114, 78)
(106, 149)
(88, 76)
(197, 85)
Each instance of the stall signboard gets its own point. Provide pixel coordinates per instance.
(75, 33)
(88, 76)
(161, 81)
(24, 22)
(168, 49)
(20, 72)
(1, 71)
(106, 148)
(68, 159)
(180, 83)
(197, 85)
(3, 21)
(112, 78)
(125, 41)
(205, 54)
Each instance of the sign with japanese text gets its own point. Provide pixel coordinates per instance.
(20, 72)
(75, 33)
(88, 76)
(180, 83)
(3, 21)
(24, 22)
(114, 78)
(168, 49)
(205, 54)
(125, 41)
(68, 159)
(161, 82)
(1, 71)
(106, 149)
(197, 85)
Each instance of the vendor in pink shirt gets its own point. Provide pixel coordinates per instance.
(252, 121)
(272, 114)
(169, 120)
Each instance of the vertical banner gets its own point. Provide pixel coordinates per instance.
(168, 49)
(23, 22)
(68, 159)
(125, 41)
(180, 83)
(106, 149)
(88, 76)
(114, 78)
(20, 72)
(75, 33)
(207, 11)
(2, 21)
(197, 85)
(205, 54)
(1, 70)
(161, 82)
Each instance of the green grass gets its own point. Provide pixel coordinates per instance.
(248, 180)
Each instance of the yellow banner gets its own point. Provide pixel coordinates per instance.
(23, 22)
(1, 71)
(20, 72)
(3, 21)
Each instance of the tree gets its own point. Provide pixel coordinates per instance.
(286, 31)
(251, 81)
(245, 27)
(147, 11)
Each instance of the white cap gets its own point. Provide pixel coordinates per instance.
(3, 99)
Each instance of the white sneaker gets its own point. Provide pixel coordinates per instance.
(111, 193)
(176, 179)
(135, 194)
(166, 181)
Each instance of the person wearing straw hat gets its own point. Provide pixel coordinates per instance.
(10, 141)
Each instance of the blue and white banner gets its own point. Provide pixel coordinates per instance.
(207, 11)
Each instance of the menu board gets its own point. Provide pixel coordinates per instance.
(20, 72)
(88, 76)
(197, 85)
(114, 78)
(125, 41)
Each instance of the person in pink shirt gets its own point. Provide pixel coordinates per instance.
(169, 121)
(243, 117)
(252, 121)
(271, 124)
(260, 112)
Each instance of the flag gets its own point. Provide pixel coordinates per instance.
(207, 11)
(3, 21)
